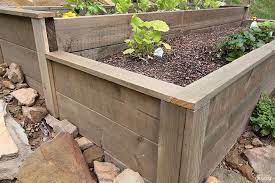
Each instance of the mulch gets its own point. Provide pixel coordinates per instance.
(193, 56)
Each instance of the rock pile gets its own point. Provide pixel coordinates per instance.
(56, 144)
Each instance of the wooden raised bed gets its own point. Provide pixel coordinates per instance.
(168, 133)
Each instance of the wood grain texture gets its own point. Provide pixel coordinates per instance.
(193, 141)
(1, 55)
(22, 56)
(84, 33)
(17, 30)
(125, 145)
(230, 111)
(136, 111)
(172, 122)
(25, 12)
(137, 82)
(42, 47)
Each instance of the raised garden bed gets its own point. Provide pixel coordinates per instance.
(169, 133)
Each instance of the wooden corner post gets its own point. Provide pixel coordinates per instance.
(193, 141)
(172, 121)
(42, 47)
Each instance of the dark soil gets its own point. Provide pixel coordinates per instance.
(193, 56)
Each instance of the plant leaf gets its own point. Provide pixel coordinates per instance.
(128, 51)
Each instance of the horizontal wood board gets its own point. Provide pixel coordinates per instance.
(17, 30)
(83, 33)
(137, 112)
(130, 148)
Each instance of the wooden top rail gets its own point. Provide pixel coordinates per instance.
(26, 12)
(147, 85)
(192, 96)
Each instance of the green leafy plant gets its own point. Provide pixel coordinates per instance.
(122, 6)
(183, 5)
(85, 7)
(237, 45)
(143, 5)
(267, 25)
(167, 5)
(199, 4)
(146, 37)
(263, 117)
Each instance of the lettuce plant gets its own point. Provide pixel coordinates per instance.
(143, 5)
(122, 6)
(146, 37)
(87, 7)
(167, 5)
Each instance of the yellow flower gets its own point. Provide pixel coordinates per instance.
(69, 14)
(254, 18)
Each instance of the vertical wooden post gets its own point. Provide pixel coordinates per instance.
(193, 140)
(42, 47)
(172, 121)
(1, 56)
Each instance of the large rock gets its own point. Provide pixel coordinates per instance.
(15, 74)
(129, 176)
(228, 176)
(105, 172)
(262, 160)
(8, 148)
(59, 160)
(25, 96)
(8, 84)
(35, 114)
(9, 168)
(92, 154)
(61, 126)
(84, 143)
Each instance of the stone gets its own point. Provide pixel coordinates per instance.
(3, 69)
(84, 143)
(9, 169)
(212, 179)
(262, 160)
(248, 146)
(6, 92)
(129, 176)
(25, 96)
(105, 172)
(35, 114)
(92, 154)
(8, 84)
(15, 74)
(257, 142)
(228, 176)
(58, 160)
(61, 126)
(8, 148)
(21, 85)
(235, 161)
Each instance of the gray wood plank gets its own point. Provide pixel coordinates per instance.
(25, 12)
(170, 142)
(125, 145)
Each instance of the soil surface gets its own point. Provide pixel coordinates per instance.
(193, 56)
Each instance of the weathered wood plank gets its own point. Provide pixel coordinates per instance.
(215, 149)
(133, 110)
(26, 12)
(24, 57)
(17, 30)
(85, 33)
(1, 55)
(146, 85)
(192, 149)
(101, 52)
(125, 145)
(172, 121)
(41, 42)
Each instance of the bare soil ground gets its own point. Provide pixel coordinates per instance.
(193, 56)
